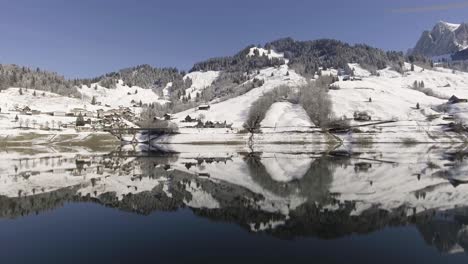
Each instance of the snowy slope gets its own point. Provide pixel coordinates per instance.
(200, 80)
(235, 110)
(263, 52)
(121, 95)
(284, 116)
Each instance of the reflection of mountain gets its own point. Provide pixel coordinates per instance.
(284, 194)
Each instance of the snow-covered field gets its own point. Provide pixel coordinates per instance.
(416, 115)
(121, 95)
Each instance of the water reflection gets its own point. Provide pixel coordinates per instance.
(289, 192)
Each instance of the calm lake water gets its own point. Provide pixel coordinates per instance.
(227, 204)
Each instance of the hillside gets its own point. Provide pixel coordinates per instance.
(312, 88)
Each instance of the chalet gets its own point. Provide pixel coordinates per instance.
(36, 112)
(100, 112)
(188, 118)
(167, 117)
(456, 100)
(362, 116)
(26, 110)
(59, 113)
(204, 107)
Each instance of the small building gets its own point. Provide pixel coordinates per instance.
(456, 100)
(204, 107)
(167, 116)
(100, 112)
(188, 118)
(362, 116)
(59, 113)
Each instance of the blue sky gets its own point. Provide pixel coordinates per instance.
(87, 38)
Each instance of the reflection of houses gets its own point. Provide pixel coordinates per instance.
(362, 166)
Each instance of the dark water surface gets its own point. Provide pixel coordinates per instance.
(378, 204)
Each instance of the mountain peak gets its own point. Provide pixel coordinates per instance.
(445, 38)
(450, 26)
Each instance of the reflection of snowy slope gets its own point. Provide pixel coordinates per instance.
(285, 168)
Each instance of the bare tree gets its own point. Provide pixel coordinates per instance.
(316, 102)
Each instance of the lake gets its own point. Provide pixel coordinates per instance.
(229, 204)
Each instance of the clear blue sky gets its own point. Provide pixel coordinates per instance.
(85, 38)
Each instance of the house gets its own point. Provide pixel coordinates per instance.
(456, 100)
(167, 117)
(59, 113)
(362, 116)
(100, 112)
(204, 107)
(188, 118)
(26, 110)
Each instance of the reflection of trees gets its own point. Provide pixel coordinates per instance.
(242, 206)
(26, 205)
(446, 231)
(148, 164)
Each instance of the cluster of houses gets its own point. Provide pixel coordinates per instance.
(91, 120)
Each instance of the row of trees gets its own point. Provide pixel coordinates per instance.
(240, 62)
(306, 57)
(313, 97)
(16, 76)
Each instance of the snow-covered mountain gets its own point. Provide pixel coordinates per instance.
(444, 38)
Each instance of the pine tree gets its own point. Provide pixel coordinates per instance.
(412, 66)
(80, 120)
(34, 93)
(21, 91)
(93, 100)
